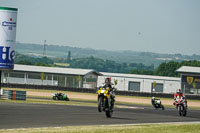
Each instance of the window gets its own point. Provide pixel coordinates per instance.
(70, 81)
(61, 80)
(48, 76)
(16, 75)
(34, 76)
(134, 86)
(5, 75)
(158, 88)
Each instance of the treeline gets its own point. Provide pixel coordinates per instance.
(107, 65)
(28, 60)
(167, 69)
(101, 65)
(128, 56)
(98, 64)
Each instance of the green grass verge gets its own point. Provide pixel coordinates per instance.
(40, 101)
(95, 101)
(158, 128)
(50, 91)
(75, 99)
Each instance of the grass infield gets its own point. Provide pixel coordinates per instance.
(146, 128)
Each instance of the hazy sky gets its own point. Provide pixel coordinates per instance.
(163, 26)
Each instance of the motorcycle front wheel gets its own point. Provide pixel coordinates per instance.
(184, 112)
(180, 110)
(100, 102)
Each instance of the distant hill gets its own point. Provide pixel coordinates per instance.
(147, 58)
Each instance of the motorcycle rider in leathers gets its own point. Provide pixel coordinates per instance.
(179, 94)
(109, 84)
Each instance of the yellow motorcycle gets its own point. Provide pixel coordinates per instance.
(105, 102)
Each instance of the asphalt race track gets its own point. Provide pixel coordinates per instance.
(14, 115)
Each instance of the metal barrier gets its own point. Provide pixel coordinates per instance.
(4, 94)
(16, 95)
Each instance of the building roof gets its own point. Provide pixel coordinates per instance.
(189, 69)
(141, 76)
(54, 70)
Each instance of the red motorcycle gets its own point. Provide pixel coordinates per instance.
(181, 105)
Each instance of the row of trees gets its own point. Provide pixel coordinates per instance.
(164, 69)
(106, 65)
(167, 69)
(147, 58)
(28, 60)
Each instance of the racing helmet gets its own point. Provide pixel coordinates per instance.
(178, 91)
(108, 80)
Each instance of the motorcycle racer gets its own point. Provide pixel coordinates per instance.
(109, 84)
(153, 100)
(106, 97)
(179, 94)
(157, 103)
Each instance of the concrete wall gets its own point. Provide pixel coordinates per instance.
(172, 86)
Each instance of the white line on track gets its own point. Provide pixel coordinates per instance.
(128, 107)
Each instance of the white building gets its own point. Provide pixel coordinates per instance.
(142, 83)
(86, 78)
(53, 76)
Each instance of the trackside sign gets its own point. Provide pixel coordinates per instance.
(8, 24)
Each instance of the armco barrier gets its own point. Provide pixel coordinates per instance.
(5, 95)
(94, 90)
(16, 95)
